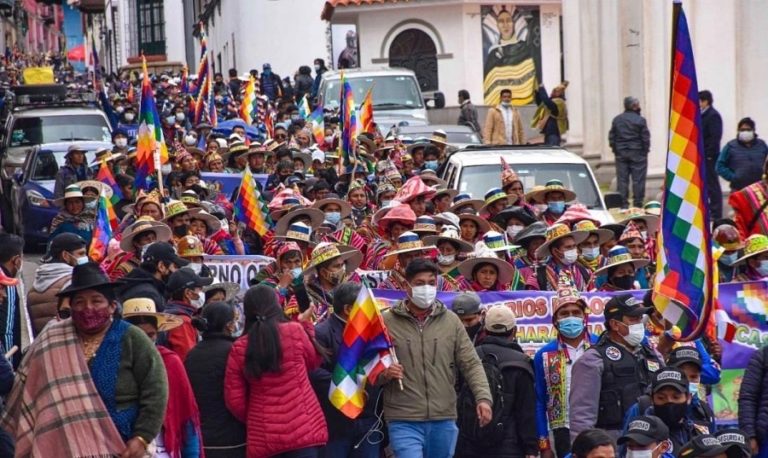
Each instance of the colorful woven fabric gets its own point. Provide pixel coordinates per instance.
(363, 354)
(106, 223)
(683, 291)
(348, 118)
(248, 106)
(150, 135)
(250, 207)
(366, 113)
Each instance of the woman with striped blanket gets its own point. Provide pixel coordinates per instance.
(89, 386)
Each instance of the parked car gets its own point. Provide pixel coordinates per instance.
(476, 169)
(44, 114)
(458, 136)
(32, 189)
(397, 99)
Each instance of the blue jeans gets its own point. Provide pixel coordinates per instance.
(423, 439)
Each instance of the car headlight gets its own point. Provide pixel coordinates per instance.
(36, 199)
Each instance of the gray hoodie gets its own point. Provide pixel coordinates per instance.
(48, 274)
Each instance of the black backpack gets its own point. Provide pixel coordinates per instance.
(493, 433)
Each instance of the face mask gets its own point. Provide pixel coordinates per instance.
(474, 329)
(120, 109)
(556, 207)
(329, 139)
(266, 72)
(91, 321)
(746, 135)
(317, 68)
(625, 282)
(337, 277)
(190, 140)
(644, 235)
(590, 254)
(762, 269)
(129, 117)
(571, 327)
(385, 203)
(541, 208)
(180, 231)
(670, 413)
(333, 217)
(506, 104)
(82, 260)
(196, 267)
(446, 260)
(640, 453)
(513, 230)
(121, 142)
(570, 256)
(636, 334)
(423, 296)
(729, 258)
(91, 205)
(180, 117)
(431, 165)
(693, 388)
(296, 272)
(199, 302)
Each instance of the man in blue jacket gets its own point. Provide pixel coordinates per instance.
(552, 368)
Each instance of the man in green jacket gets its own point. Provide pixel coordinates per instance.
(419, 395)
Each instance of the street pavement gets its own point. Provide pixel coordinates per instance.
(31, 261)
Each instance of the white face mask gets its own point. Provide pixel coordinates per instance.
(636, 334)
(640, 453)
(570, 256)
(196, 267)
(199, 302)
(746, 135)
(762, 268)
(121, 142)
(513, 230)
(423, 296)
(180, 117)
(129, 117)
(190, 140)
(446, 259)
(82, 260)
(590, 254)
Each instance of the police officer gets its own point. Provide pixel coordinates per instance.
(611, 375)
(705, 446)
(646, 436)
(689, 360)
(670, 400)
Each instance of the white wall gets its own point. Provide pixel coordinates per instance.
(285, 33)
(174, 31)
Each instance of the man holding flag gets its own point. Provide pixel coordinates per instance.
(419, 395)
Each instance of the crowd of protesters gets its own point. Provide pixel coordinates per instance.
(145, 354)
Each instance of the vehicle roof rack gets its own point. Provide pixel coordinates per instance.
(46, 95)
(526, 146)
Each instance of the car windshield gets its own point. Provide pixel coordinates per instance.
(48, 129)
(47, 164)
(475, 179)
(389, 92)
(454, 138)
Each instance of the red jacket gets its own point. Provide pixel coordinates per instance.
(280, 410)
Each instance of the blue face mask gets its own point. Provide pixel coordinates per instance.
(431, 165)
(556, 207)
(762, 269)
(729, 258)
(333, 217)
(296, 272)
(571, 327)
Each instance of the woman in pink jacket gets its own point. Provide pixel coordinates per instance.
(267, 385)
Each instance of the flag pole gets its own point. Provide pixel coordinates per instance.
(391, 347)
(158, 166)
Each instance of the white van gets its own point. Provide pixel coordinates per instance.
(397, 99)
(477, 169)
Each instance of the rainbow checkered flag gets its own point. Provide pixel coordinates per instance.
(363, 354)
(684, 287)
(250, 208)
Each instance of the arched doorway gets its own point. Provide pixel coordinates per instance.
(414, 49)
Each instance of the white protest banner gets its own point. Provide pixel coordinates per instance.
(236, 269)
(373, 278)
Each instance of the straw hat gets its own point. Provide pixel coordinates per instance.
(603, 235)
(496, 242)
(448, 218)
(408, 242)
(142, 225)
(755, 244)
(494, 195)
(141, 306)
(175, 208)
(190, 246)
(304, 157)
(439, 192)
(297, 231)
(230, 289)
(451, 235)
(567, 293)
(652, 221)
(505, 270)
(190, 199)
(521, 213)
(106, 155)
(419, 143)
(327, 251)
(539, 195)
(465, 199)
(439, 137)
(316, 218)
(617, 256)
(430, 178)
(653, 208)
(102, 188)
(72, 191)
(555, 233)
(482, 225)
(213, 223)
(346, 208)
(425, 225)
